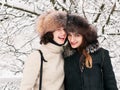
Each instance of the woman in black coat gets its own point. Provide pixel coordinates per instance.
(88, 67)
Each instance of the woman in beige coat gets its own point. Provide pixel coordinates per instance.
(52, 35)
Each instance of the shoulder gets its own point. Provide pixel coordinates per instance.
(67, 59)
(70, 58)
(34, 53)
(32, 63)
(33, 57)
(102, 50)
(67, 62)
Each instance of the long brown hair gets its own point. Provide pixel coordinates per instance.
(78, 24)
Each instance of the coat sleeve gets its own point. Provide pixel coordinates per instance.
(108, 73)
(31, 71)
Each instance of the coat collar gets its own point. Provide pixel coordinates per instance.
(53, 48)
(92, 48)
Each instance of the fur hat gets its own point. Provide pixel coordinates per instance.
(50, 21)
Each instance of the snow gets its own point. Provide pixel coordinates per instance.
(18, 37)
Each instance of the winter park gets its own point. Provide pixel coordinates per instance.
(18, 36)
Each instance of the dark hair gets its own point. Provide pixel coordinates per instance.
(46, 38)
(78, 24)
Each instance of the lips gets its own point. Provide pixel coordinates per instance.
(73, 43)
(61, 38)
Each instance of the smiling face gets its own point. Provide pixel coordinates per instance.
(59, 36)
(75, 39)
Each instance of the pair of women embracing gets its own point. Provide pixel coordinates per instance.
(81, 65)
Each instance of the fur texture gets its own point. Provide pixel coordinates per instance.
(51, 21)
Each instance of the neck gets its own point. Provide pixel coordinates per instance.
(53, 42)
(53, 48)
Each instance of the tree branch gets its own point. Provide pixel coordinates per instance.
(63, 8)
(98, 15)
(112, 10)
(108, 19)
(113, 34)
(21, 9)
(83, 9)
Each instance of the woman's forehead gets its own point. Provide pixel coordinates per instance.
(74, 33)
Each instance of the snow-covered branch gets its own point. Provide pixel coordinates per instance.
(29, 8)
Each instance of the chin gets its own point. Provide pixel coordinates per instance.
(73, 46)
(61, 42)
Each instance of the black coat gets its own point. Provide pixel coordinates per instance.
(90, 78)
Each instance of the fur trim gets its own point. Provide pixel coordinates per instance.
(92, 48)
(50, 21)
(68, 51)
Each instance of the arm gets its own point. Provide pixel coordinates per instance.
(108, 74)
(31, 71)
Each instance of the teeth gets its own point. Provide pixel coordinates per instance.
(61, 38)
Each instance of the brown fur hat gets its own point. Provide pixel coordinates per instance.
(50, 21)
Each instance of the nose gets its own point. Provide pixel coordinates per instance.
(72, 39)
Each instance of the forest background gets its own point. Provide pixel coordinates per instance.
(18, 37)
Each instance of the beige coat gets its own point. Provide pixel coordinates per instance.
(53, 69)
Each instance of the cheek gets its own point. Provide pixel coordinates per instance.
(55, 34)
(69, 38)
(80, 40)
(55, 38)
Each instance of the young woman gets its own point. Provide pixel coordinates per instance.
(52, 35)
(89, 67)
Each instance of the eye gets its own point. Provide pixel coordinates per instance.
(58, 29)
(69, 35)
(78, 35)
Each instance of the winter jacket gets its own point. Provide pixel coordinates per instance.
(99, 77)
(53, 69)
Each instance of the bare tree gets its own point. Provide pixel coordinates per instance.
(18, 37)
